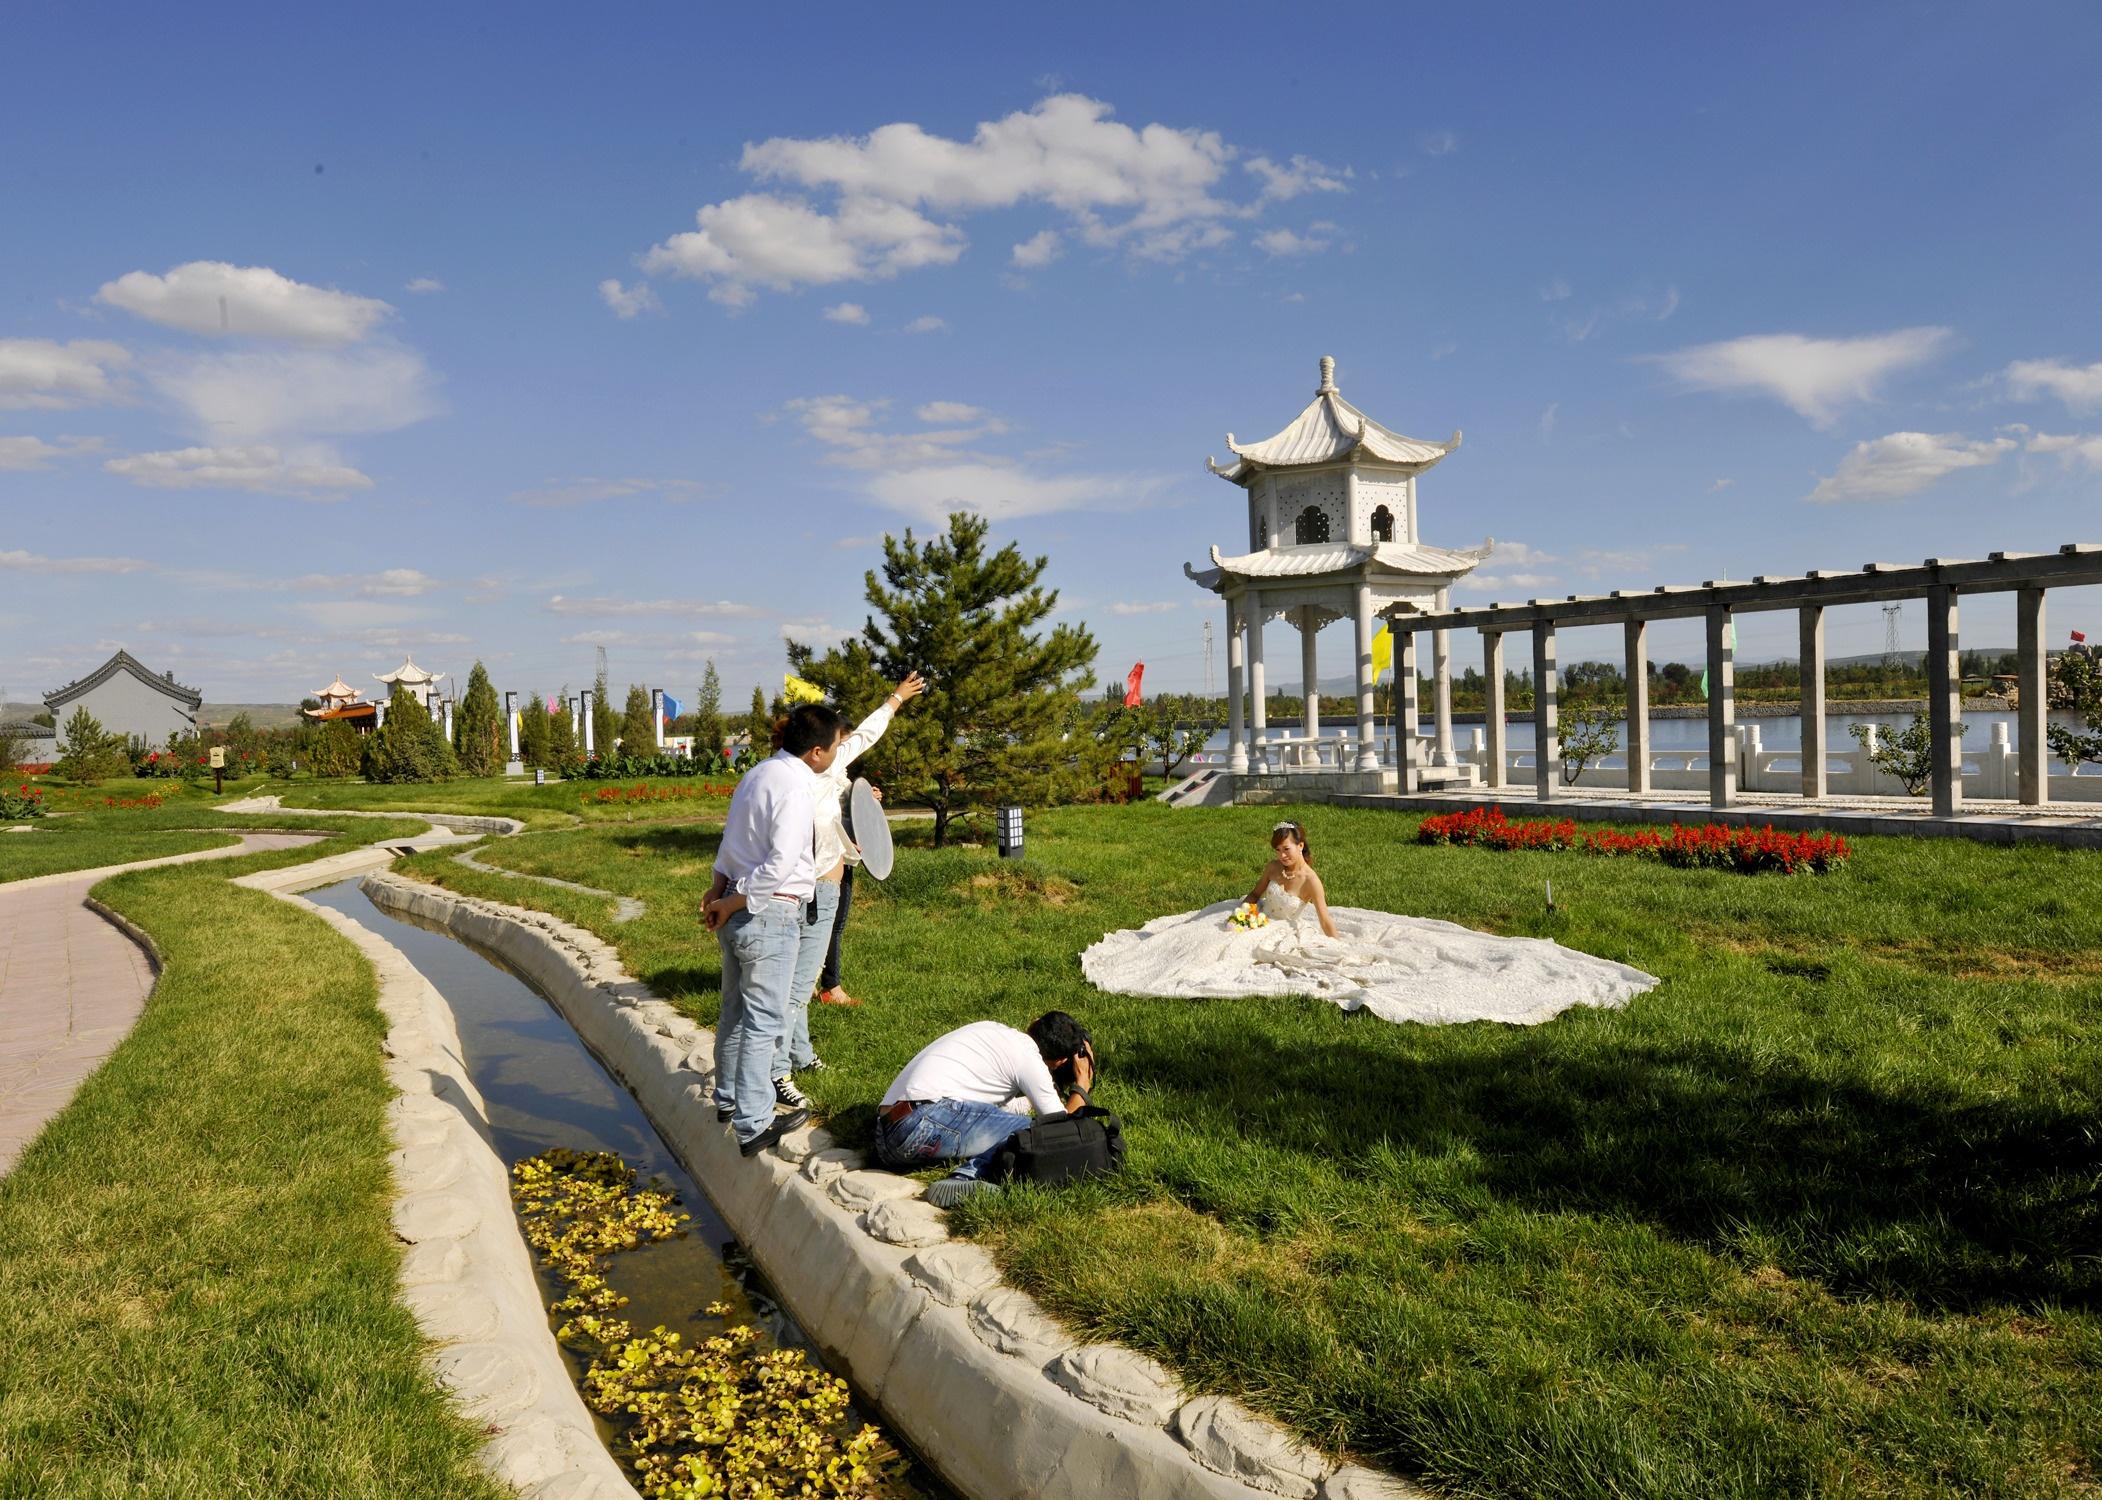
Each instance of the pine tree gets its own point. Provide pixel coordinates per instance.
(533, 733)
(605, 719)
(563, 751)
(759, 724)
(1001, 697)
(478, 728)
(638, 727)
(708, 713)
(408, 746)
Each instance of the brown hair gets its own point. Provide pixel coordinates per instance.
(1296, 832)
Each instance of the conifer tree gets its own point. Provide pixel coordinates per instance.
(1001, 694)
(638, 728)
(708, 713)
(759, 724)
(605, 719)
(533, 731)
(563, 751)
(478, 728)
(408, 746)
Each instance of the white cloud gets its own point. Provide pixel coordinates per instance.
(1004, 492)
(423, 286)
(1720, 485)
(2072, 448)
(21, 454)
(562, 605)
(1903, 463)
(1302, 174)
(213, 297)
(1152, 190)
(814, 631)
(2078, 386)
(1547, 420)
(1439, 143)
(664, 645)
(1282, 242)
(628, 302)
(1159, 607)
(927, 323)
(30, 562)
(1814, 377)
(848, 312)
(938, 412)
(1038, 251)
(1556, 290)
(855, 543)
(397, 583)
(557, 493)
(45, 375)
(266, 394)
(258, 467)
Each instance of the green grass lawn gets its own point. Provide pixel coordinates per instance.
(558, 804)
(1817, 1216)
(197, 1269)
(88, 828)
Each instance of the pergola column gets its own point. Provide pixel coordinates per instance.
(1407, 756)
(2031, 689)
(1722, 709)
(584, 713)
(1493, 706)
(1368, 753)
(1259, 710)
(1944, 701)
(1547, 724)
(511, 720)
(1636, 635)
(1236, 685)
(1310, 679)
(1810, 666)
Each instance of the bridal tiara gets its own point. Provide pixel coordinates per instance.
(1287, 824)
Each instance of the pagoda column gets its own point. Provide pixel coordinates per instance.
(1310, 680)
(1441, 686)
(511, 719)
(1368, 753)
(1236, 685)
(1259, 714)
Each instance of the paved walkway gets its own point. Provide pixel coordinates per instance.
(71, 986)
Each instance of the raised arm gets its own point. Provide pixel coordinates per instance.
(864, 735)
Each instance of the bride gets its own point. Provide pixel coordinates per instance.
(1284, 940)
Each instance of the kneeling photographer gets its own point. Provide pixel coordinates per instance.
(949, 1104)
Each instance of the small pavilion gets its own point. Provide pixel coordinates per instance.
(339, 700)
(1332, 535)
(423, 684)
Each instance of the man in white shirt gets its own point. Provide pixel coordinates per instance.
(836, 857)
(757, 904)
(949, 1103)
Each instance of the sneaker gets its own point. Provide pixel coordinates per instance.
(951, 1191)
(815, 1065)
(836, 996)
(786, 1092)
(793, 1120)
(724, 1116)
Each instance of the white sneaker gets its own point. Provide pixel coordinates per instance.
(786, 1092)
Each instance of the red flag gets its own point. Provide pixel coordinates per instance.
(1132, 697)
(2079, 635)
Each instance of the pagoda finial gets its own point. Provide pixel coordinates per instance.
(1328, 376)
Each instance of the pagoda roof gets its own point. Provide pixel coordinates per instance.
(1329, 431)
(338, 689)
(124, 661)
(1410, 559)
(346, 711)
(408, 673)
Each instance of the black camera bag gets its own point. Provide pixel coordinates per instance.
(1062, 1147)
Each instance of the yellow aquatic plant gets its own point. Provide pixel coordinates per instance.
(720, 1418)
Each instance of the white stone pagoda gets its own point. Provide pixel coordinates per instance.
(1332, 535)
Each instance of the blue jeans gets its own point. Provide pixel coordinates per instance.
(812, 941)
(958, 1130)
(759, 960)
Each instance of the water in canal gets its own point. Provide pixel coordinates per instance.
(544, 1088)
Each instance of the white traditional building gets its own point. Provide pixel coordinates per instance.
(128, 700)
(1332, 535)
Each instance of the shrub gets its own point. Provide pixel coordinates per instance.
(25, 801)
(408, 746)
(92, 753)
(1748, 851)
(1907, 755)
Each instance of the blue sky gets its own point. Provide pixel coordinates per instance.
(509, 333)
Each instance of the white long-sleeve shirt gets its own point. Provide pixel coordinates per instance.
(769, 838)
(984, 1061)
(833, 845)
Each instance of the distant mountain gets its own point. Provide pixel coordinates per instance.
(262, 715)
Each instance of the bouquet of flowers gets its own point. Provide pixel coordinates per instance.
(1248, 916)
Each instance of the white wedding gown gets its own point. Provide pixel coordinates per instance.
(1399, 968)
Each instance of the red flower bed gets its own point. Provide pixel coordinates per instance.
(640, 793)
(151, 799)
(1709, 846)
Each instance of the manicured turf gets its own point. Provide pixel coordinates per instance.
(558, 804)
(1818, 1216)
(196, 1264)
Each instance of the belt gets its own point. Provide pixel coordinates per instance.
(896, 1114)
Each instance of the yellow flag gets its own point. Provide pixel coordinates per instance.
(1382, 652)
(796, 690)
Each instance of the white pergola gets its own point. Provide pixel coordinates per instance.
(1332, 535)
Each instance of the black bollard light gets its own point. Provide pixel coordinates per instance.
(1010, 832)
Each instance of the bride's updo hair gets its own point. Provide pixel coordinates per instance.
(1297, 834)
